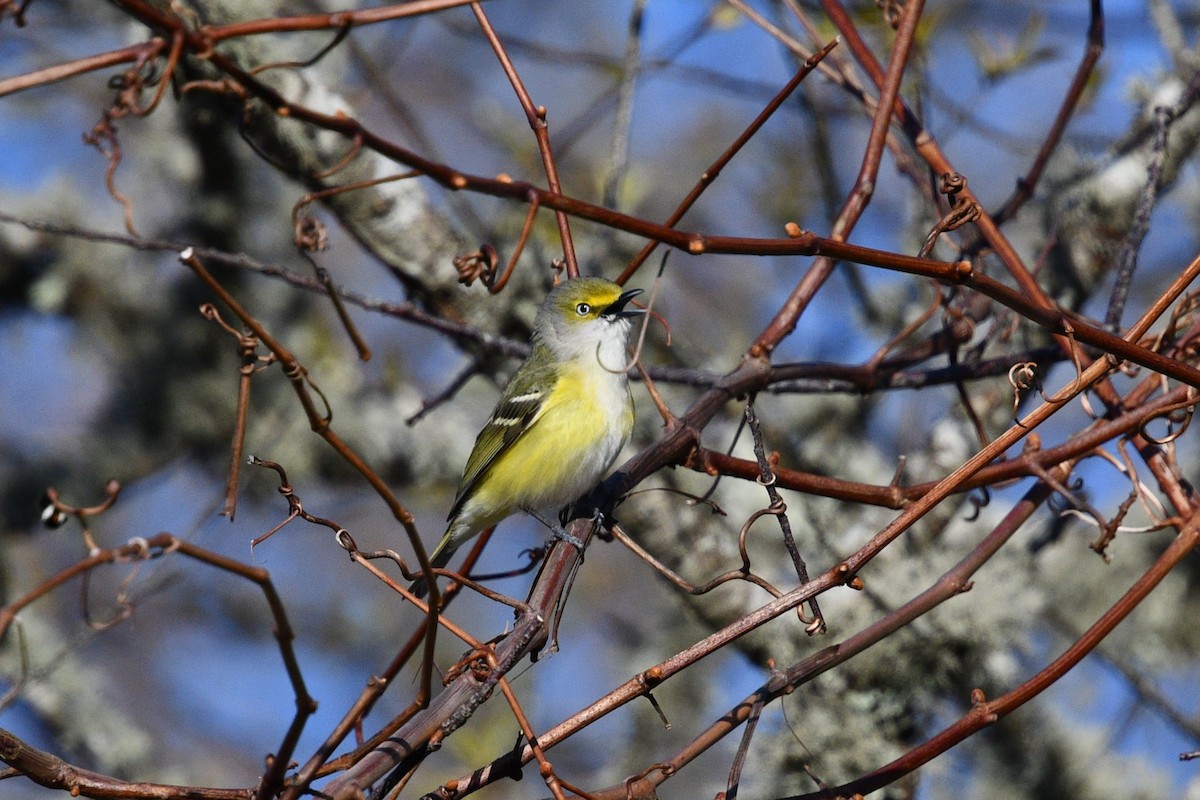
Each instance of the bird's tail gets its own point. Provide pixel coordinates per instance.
(440, 558)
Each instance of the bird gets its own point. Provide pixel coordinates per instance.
(561, 420)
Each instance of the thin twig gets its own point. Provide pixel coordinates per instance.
(766, 478)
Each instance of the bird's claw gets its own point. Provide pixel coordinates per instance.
(561, 535)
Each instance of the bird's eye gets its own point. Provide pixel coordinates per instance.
(583, 309)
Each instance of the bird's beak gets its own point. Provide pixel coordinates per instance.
(617, 309)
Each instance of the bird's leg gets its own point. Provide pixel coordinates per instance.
(598, 524)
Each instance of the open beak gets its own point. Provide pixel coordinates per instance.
(617, 309)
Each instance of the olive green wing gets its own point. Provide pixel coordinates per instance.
(520, 405)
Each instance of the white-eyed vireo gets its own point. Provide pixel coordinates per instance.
(561, 420)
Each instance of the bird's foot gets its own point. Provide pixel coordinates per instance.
(562, 535)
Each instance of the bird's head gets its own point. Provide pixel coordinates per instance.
(583, 314)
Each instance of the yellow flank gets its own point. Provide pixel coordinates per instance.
(566, 451)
